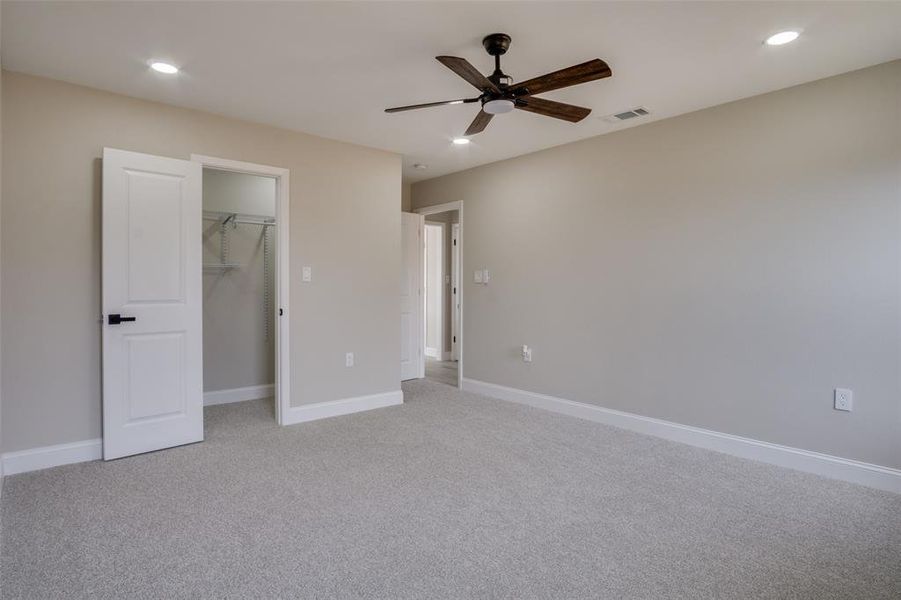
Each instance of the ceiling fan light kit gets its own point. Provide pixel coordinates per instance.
(500, 95)
(498, 106)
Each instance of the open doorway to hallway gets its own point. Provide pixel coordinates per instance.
(441, 304)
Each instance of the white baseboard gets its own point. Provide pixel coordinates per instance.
(253, 392)
(334, 408)
(45, 457)
(876, 476)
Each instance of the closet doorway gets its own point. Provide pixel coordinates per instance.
(245, 284)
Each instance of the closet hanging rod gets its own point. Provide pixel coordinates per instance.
(252, 222)
(234, 218)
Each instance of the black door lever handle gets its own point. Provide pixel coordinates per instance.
(115, 319)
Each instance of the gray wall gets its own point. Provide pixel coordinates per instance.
(725, 269)
(237, 352)
(225, 191)
(406, 197)
(343, 221)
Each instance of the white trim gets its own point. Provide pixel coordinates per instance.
(455, 287)
(45, 457)
(884, 478)
(251, 392)
(283, 272)
(335, 408)
(440, 208)
(456, 205)
(432, 353)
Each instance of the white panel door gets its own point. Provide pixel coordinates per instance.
(412, 339)
(152, 302)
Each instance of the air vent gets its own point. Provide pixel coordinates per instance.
(628, 114)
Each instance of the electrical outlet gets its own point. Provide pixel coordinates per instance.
(844, 400)
(526, 353)
(349, 359)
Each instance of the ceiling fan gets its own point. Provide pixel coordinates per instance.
(500, 95)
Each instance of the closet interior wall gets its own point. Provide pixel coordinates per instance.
(238, 280)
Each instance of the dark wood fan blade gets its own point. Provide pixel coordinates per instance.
(461, 67)
(549, 108)
(430, 104)
(588, 71)
(479, 124)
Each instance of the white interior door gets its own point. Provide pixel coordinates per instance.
(152, 302)
(412, 339)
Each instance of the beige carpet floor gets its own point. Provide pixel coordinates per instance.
(451, 495)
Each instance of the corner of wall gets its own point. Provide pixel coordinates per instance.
(406, 197)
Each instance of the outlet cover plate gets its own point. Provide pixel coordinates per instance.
(844, 399)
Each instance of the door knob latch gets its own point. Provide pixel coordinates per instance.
(115, 319)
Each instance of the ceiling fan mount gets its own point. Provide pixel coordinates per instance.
(500, 95)
(496, 43)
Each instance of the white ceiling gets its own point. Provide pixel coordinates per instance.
(331, 68)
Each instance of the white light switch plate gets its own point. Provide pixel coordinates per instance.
(486, 276)
(477, 276)
(307, 274)
(526, 354)
(844, 399)
(349, 359)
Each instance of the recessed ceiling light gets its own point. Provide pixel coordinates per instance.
(461, 141)
(161, 67)
(420, 166)
(783, 37)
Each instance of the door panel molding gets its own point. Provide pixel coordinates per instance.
(412, 344)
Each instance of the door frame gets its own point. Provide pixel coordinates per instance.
(282, 272)
(456, 205)
(455, 289)
(425, 251)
